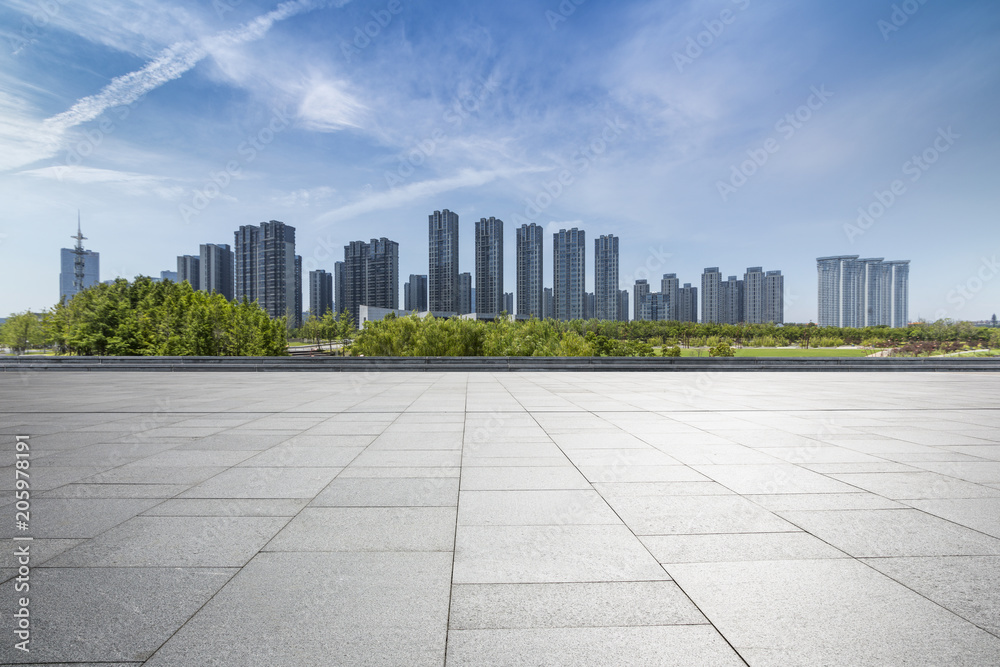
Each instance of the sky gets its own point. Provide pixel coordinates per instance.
(729, 133)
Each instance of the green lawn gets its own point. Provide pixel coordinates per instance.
(779, 352)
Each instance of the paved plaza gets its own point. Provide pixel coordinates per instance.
(272, 519)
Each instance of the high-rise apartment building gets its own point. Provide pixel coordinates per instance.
(623, 300)
(655, 307)
(355, 270)
(731, 301)
(569, 274)
(465, 290)
(508, 303)
(320, 292)
(687, 303)
(168, 275)
(298, 292)
(669, 287)
(856, 292)
(606, 277)
(590, 306)
(548, 303)
(899, 304)
(415, 294)
(639, 293)
(489, 266)
(246, 246)
(753, 295)
(530, 289)
(79, 268)
(339, 288)
(189, 269)
(711, 295)
(216, 269)
(442, 276)
(774, 297)
(278, 291)
(382, 282)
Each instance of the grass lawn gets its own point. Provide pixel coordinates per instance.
(778, 352)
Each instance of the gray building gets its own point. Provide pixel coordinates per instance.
(320, 292)
(530, 288)
(338, 288)
(731, 301)
(590, 310)
(606, 277)
(711, 295)
(189, 269)
(569, 274)
(355, 270)
(415, 294)
(899, 297)
(279, 282)
(508, 303)
(753, 295)
(640, 290)
(382, 283)
(489, 266)
(298, 292)
(687, 303)
(623, 300)
(774, 297)
(216, 269)
(548, 303)
(655, 306)
(465, 298)
(91, 265)
(856, 292)
(442, 276)
(168, 275)
(246, 246)
(670, 288)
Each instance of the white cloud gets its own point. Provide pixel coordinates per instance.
(381, 201)
(131, 183)
(169, 64)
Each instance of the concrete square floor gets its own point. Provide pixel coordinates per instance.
(243, 519)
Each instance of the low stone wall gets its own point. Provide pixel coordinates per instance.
(496, 364)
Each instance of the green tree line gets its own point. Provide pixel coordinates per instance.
(415, 336)
(147, 318)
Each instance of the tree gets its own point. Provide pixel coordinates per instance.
(721, 350)
(23, 331)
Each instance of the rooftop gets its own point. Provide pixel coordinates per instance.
(512, 518)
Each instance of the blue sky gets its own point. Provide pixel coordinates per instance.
(728, 133)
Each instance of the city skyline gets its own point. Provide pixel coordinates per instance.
(738, 134)
(852, 292)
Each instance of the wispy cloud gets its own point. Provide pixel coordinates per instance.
(171, 63)
(131, 183)
(381, 201)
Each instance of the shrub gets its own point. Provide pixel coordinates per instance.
(674, 351)
(721, 350)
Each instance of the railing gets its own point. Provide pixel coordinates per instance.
(497, 364)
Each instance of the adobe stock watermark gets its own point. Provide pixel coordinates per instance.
(462, 109)
(31, 26)
(915, 167)
(965, 292)
(565, 9)
(786, 126)
(899, 17)
(655, 262)
(364, 34)
(581, 160)
(696, 44)
(247, 151)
